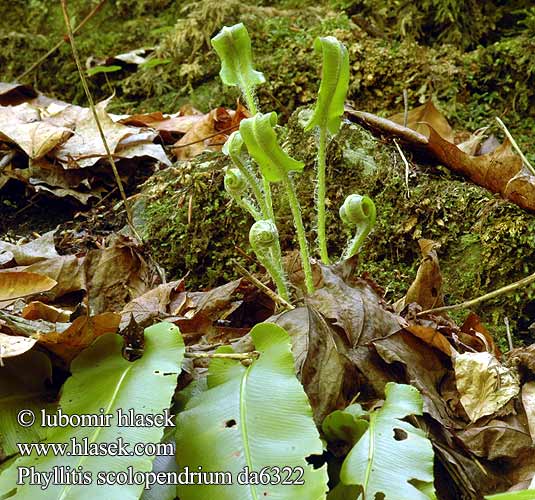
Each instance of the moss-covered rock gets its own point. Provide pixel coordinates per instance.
(485, 242)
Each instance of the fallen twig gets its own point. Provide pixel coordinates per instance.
(491, 295)
(515, 145)
(268, 291)
(224, 355)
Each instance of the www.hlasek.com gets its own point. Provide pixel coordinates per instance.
(85, 447)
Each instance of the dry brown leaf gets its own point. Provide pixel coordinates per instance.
(116, 274)
(152, 304)
(39, 249)
(528, 400)
(69, 342)
(472, 325)
(11, 345)
(321, 360)
(85, 147)
(39, 310)
(500, 170)
(22, 125)
(484, 384)
(12, 94)
(210, 132)
(426, 290)
(492, 171)
(427, 113)
(169, 127)
(67, 270)
(14, 285)
(432, 337)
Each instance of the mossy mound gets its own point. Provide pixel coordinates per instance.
(485, 242)
(190, 224)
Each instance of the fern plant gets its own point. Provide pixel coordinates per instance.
(250, 186)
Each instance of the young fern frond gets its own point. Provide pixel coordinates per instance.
(264, 240)
(327, 118)
(233, 46)
(359, 212)
(234, 148)
(236, 186)
(275, 164)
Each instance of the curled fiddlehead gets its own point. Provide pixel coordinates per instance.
(236, 185)
(264, 240)
(233, 46)
(233, 147)
(357, 211)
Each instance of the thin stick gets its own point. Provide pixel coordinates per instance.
(491, 295)
(275, 297)
(405, 107)
(406, 168)
(508, 332)
(225, 355)
(515, 145)
(37, 63)
(224, 131)
(95, 116)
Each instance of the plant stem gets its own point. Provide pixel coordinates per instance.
(515, 145)
(320, 201)
(247, 206)
(300, 228)
(253, 183)
(95, 116)
(356, 242)
(37, 63)
(248, 95)
(274, 269)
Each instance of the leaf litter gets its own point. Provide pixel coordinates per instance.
(478, 405)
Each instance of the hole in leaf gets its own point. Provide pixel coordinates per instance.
(400, 435)
(230, 423)
(316, 461)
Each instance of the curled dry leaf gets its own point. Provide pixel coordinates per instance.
(472, 326)
(426, 290)
(427, 114)
(14, 285)
(38, 310)
(485, 385)
(500, 170)
(210, 132)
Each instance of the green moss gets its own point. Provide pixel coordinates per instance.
(192, 226)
